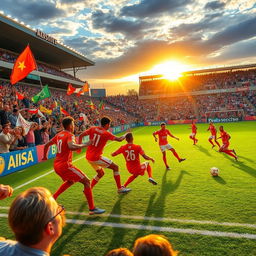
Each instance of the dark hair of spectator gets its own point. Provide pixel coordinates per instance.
(104, 121)
(67, 121)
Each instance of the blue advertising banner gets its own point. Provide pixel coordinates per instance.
(17, 160)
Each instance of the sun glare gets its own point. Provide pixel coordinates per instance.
(171, 70)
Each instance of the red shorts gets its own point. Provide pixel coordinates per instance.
(224, 146)
(68, 172)
(140, 170)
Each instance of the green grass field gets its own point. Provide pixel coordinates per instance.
(184, 195)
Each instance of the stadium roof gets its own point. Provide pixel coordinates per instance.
(15, 36)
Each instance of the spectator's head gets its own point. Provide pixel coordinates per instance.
(129, 137)
(120, 252)
(163, 125)
(15, 111)
(105, 122)
(68, 123)
(35, 218)
(6, 128)
(6, 107)
(153, 245)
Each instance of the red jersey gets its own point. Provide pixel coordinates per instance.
(225, 137)
(99, 137)
(131, 153)
(162, 135)
(212, 129)
(64, 154)
(194, 128)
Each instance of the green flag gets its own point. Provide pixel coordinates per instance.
(45, 93)
(101, 106)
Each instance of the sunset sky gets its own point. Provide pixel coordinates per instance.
(128, 38)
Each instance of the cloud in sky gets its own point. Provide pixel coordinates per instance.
(126, 37)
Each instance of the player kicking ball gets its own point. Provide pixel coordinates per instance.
(192, 136)
(65, 142)
(99, 137)
(225, 140)
(213, 136)
(163, 143)
(131, 153)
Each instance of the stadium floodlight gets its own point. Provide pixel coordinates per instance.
(2, 12)
(9, 16)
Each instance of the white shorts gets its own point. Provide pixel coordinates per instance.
(102, 162)
(192, 135)
(165, 147)
(212, 137)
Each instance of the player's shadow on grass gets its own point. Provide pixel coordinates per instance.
(241, 166)
(246, 158)
(64, 240)
(203, 150)
(118, 233)
(220, 180)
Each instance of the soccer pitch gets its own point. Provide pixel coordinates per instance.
(199, 214)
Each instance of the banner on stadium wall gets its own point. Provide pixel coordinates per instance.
(224, 120)
(20, 159)
(250, 118)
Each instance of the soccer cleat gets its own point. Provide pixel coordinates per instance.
(168, 168)
(151, 180)
(182, 159)
(123, 190)
(234, 152)
(96, 211)
(213, 146)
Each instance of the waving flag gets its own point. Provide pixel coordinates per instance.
(23, 65)
(64, 112)
(45, 93)
(71, 89)
(19, 96)
(101, 106)
(45, 110)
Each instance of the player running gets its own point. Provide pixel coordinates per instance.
(163, 143)
(131, 153)
(225, 140)
(213, 136)
(99, 137)
(65, 142)
(193, 133)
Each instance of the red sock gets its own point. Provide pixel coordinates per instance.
(149, 171)
(94, 182)
(62, 188)
(217, 143)
(97, 177)
(130, 179)
(165, 161)
(194, 139)
(117, 179)
(175, 154)
(89, 197)
(211, 142)
(228, 151)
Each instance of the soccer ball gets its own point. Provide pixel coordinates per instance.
(214, 171)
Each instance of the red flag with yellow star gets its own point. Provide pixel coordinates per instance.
(24, 64)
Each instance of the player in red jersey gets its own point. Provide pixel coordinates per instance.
(131, 153)
(192, 136)
(213, 136)
(225, 140)
(163, 143)
(65, 142)
(99, 137)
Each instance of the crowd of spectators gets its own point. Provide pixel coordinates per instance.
(11, 57)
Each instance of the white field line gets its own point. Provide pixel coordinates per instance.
(159, 229)
(182, 221)
(41, 176)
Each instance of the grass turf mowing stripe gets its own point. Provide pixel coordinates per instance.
(183, 221)
(159, 229)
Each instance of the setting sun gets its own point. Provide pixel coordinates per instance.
(171, 70)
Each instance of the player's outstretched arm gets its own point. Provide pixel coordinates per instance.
(148, 158)
(117, 152)
(74, 146)
(80, 137)
(46, 148)
(154, 135)
(121, 138)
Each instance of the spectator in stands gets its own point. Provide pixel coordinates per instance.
(120, 252)
(30, 137)
(36, 220)
(13, 117)
(7, 137)
(20, 143)
(5, 191)
(153, 245)
(4, 114)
